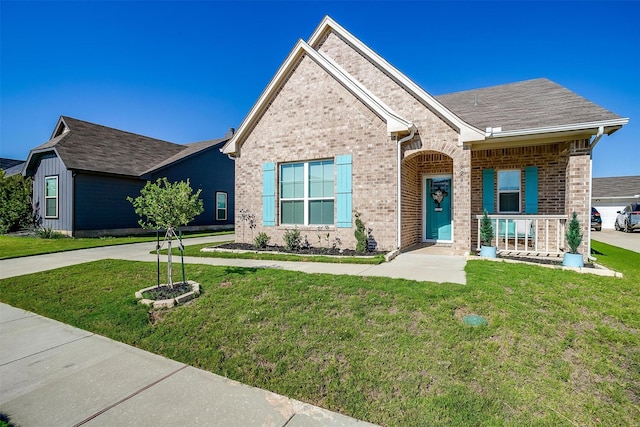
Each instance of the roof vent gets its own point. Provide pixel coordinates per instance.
(230, 133)
(475, 99)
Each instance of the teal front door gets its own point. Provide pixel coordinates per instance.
(438, 194)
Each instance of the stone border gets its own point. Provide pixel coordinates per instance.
(599, 270)
(168, 303)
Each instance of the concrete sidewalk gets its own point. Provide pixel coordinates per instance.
(52, 374)
(410, 265)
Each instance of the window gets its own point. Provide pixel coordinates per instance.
(221, 206)
(509, 191)
(307, 193)
(51, 197)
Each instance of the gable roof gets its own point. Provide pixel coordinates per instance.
(528, 105)
(395, 123)
(617, 187)
(517, 110)
(85, 146)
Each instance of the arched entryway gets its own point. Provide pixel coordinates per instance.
(427, 198)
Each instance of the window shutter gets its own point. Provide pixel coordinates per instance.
(531, 189)
(344, 190)
(268, 194)
(488, 192)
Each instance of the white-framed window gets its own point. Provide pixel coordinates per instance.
(307, 193)
(221, 206)
(51, 197)
(509, 191)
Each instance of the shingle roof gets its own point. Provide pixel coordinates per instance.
(618, 186)
(9, 163)
(529, 104)
(95, 148)
(188, 150)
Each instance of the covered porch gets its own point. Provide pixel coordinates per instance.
(526, 235)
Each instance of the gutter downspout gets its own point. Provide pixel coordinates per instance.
(399, 198)
(593, 143)
(592, 146)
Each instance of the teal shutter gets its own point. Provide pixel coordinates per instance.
(531, 189)
(343, 191)
(268, 194)
(488, 192)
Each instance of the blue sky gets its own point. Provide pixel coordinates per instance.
(188, 71)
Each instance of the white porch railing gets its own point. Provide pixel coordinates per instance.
(532, 234)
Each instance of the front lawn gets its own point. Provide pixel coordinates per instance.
(560, 348)
(19, 246)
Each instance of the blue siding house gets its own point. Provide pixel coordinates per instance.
(83, 175)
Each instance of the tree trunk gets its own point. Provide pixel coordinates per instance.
(169, 272)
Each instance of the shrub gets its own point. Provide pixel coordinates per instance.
(360, 234)
(486, 230)
(15, 203)
(48, 233)
(292, 240)
(574, 234)
(262, 240)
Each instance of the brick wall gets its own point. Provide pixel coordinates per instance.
(314, 117)
(577, 186)
(434, 136)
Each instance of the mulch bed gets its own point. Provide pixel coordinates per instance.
(306, 251)
(165, 292)
(548, 261)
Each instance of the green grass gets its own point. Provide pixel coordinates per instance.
(194, 250)
(15, 247)
(560, 348)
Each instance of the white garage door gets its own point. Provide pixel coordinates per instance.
(608, 215)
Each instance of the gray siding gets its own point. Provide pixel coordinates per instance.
(101, 202)
(50, 165)
(210, 171)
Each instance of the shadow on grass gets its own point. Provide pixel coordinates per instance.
(242, 271)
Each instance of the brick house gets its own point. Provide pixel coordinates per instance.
(339, 130)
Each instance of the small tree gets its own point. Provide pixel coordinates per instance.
(167, 206)
(360, 234)
(486, 229)
(574, 234)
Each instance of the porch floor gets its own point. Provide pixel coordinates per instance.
(430, 249)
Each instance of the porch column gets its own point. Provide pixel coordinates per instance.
(577, 184)
(462, 201)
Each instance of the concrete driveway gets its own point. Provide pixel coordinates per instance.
(630, 241)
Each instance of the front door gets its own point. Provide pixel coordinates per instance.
(437, 214)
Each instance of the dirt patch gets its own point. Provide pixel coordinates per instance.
(156, 316)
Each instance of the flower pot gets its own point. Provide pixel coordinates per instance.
(573, 260)
(488, 251)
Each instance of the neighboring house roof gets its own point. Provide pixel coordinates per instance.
(11, 166)
(9, 163)
(617, 187)
(191, 149)
(531, 104)
(516, 110)
(85, 146)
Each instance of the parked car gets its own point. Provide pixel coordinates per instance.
(628, 219)
(596, 219)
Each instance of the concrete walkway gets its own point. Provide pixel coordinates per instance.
(410, 265)
(55, 374)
